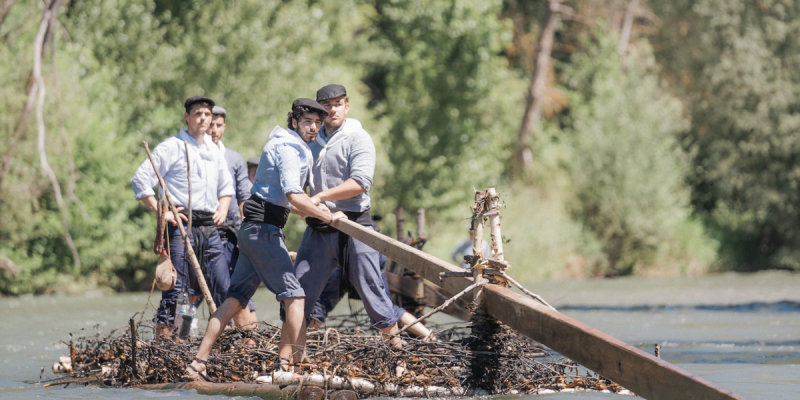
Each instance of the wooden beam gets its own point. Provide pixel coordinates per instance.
(406, 286)
(644, 374)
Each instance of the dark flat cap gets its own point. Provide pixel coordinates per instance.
(197, 99)
(253, 161)
(311, 104)
(331, 92)
(217, 110)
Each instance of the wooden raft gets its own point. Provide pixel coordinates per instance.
(641, 372)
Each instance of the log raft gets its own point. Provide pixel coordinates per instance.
(262, 391)
(641, 372)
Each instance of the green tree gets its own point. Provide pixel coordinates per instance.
(628, 173)
(450, 100)
(735, 63)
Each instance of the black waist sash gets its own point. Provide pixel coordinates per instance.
(258, 210)
(203, 226)
(360, 217)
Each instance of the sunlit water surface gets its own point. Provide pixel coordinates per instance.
(741, 332)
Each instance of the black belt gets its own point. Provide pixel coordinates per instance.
(203, 226)
(258, 210)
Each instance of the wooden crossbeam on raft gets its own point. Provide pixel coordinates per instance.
(641, 372)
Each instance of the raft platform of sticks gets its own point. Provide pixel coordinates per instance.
(488, 356)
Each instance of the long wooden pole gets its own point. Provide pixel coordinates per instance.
(186, 244)
(641, 372)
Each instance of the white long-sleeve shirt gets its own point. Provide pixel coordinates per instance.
(210, 177)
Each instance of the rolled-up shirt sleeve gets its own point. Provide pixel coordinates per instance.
(288, 164)
(362, 159)
(225, 181)
(145, 177)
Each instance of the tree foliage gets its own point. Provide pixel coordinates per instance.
(735, 64)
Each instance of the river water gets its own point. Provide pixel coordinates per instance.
(741, 332)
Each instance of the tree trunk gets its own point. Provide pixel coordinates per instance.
(627, 24)
(536, 94)
(5, 9)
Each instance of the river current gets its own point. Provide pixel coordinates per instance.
(740, 331)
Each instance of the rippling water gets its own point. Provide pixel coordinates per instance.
(741, 332)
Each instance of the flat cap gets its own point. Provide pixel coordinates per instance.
(217, 110)
(197, 99)
(253, 161)
(313, 105)
(331, 92)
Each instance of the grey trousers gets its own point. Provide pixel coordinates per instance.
(263, 258)
(318, 256)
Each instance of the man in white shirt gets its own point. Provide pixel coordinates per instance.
(211, 191)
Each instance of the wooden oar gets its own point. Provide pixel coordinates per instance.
(641, 372)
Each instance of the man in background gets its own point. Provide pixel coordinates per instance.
(228, 231)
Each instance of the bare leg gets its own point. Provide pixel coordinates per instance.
(242, 319)
(216, 324)
(163, 330)
(293, 337)
(419, 330)
(315, 324)
(392, 331)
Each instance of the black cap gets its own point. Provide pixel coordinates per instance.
(313, 105)
(197, 99)
(253, 161)
(331, 92)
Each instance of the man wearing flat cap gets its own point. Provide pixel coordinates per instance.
(344, 164)
(229, 230)
(283, 170)
(211, 191)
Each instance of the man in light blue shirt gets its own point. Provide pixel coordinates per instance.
(284, 168)
(212, 189)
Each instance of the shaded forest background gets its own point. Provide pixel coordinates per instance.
(627, 137)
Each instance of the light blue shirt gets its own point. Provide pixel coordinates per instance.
(284, 168)
(347, 153)
(210, 177)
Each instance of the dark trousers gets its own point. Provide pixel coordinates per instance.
(217, 273)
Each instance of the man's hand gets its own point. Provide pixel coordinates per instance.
(315, 200)
(323, 207)
(219, 218)
(337, 216)
(150, 202)
(222, 211)
(170, 217)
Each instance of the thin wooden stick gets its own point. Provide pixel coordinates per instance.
(477, 248)
(421, 224)
(494, 225)
(526, 291)
(133, 347)
(189, 178)
(188, 246)
(444, 305)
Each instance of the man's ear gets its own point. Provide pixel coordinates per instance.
(186, 118)
(294, 125)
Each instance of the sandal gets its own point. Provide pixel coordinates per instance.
(193, 374)
(282, 365)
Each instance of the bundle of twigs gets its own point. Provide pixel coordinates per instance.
(463, 360)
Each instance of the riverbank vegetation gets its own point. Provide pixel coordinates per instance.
(661, 139)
